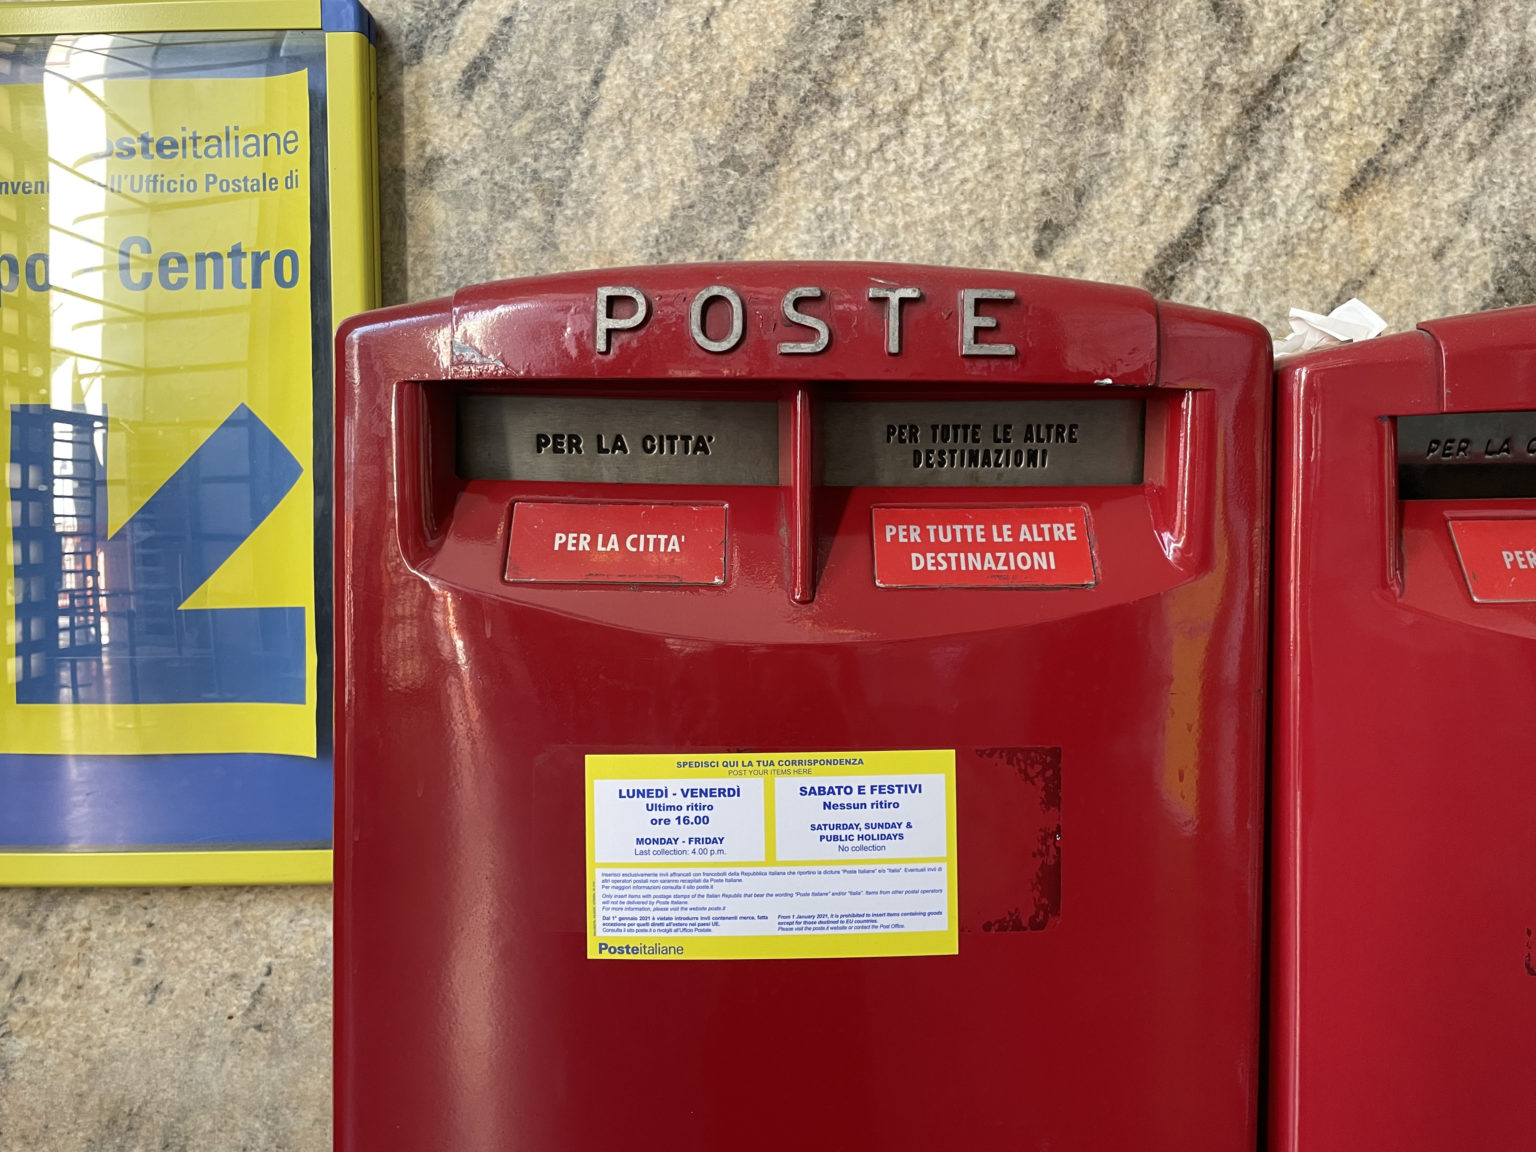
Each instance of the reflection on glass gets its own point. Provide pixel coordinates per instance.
(99, 618)
(93, 366)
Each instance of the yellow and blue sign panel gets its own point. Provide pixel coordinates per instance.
(167, 296)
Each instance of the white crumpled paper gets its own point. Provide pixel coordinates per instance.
(1351, 321)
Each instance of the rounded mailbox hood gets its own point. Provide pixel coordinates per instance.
(801, 400)
(796, 321)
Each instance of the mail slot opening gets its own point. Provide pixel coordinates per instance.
(1467, 456)
(617, 440)
(860, 437)
(981, 443)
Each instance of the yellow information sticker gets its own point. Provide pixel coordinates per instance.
(781, 855)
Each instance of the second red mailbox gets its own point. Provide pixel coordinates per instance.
(799, 705)
(1404, 1004)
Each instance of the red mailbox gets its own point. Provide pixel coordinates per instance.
(799, 705)
(1404, 1000)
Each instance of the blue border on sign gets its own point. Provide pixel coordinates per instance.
(197, 801)
(347, 16)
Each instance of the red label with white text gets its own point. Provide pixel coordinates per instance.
(1498, 557)
(993, 547)
(617, 543)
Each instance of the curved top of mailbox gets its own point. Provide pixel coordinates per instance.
(1487, 359)
(1480, 362)
(798, 320)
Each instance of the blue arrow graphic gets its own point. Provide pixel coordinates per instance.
(99, 620)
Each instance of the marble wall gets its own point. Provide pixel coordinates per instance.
(1230, 153)
(1240, 155)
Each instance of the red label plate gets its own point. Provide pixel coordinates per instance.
(617, 543)
(993, 547)
(1498, 557)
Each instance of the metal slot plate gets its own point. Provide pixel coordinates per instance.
(626, 440)
(985, 443)
(1467, 456)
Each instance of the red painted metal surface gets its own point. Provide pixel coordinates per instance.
(1105, 993)
(1404, 818)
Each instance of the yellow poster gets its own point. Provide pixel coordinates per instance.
(155, 303)
(771, 855)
